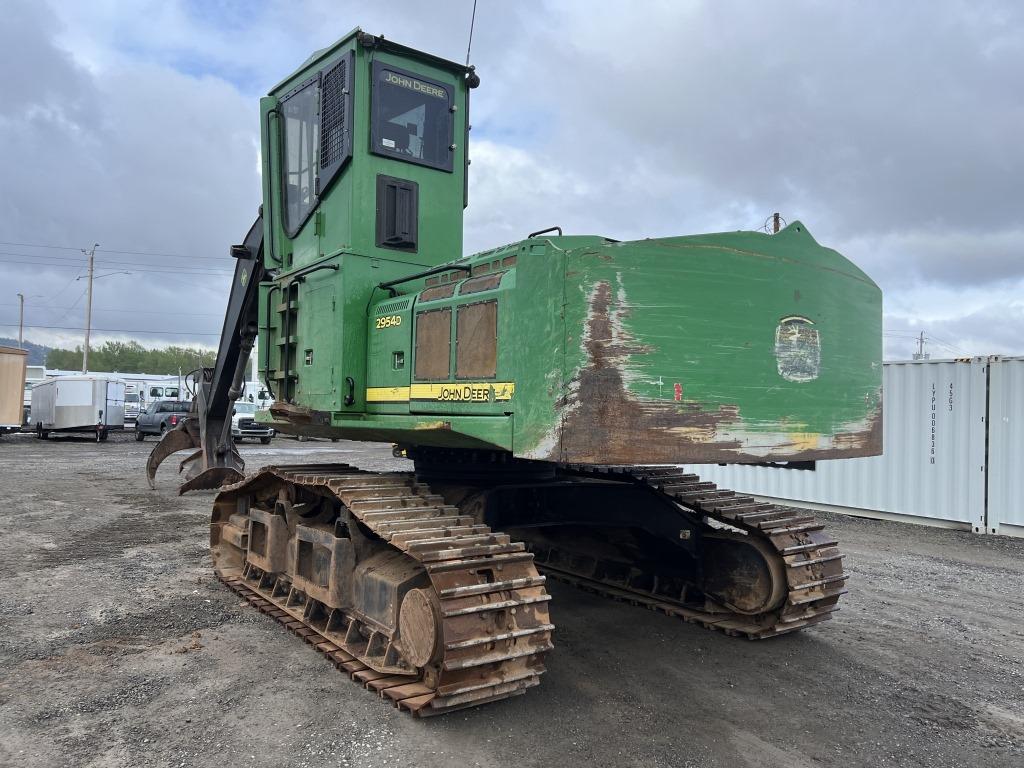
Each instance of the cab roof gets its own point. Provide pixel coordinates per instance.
(380, 43)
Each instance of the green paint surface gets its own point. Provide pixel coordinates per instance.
(735, 346)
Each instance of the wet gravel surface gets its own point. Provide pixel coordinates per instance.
(119, 648)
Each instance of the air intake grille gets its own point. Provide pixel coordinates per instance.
(393, 306)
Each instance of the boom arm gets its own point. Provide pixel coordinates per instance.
(207, 429)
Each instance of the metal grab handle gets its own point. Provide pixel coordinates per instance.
(545, 231)
(350, 398)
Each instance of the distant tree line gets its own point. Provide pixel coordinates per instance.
(36, 352)
(132, 357)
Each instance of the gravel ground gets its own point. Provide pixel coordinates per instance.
(119, 648)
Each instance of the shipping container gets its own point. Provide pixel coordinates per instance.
(12, 388)
(90, 404)
(1006, 446)
(933, 466)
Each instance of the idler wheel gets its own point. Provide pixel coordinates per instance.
(419, 627)
(743, 572)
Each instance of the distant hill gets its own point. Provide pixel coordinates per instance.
(36, 352)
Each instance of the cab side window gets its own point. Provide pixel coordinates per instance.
(301, 143)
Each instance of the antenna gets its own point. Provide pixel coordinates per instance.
(472, 22)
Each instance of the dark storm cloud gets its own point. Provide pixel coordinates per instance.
(868, 119)
(137, 158)
(891, 130)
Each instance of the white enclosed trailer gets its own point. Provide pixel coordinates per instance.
(91, 404)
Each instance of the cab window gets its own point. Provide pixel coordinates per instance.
(301, 139)
(412, 118)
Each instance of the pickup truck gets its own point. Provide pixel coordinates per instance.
(244, 424)
(160, 416)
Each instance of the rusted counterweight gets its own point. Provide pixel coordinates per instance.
(731, 347)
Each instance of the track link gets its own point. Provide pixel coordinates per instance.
(493, 629)
(812, 563)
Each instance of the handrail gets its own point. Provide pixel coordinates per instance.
(545, 231)
(433, 271)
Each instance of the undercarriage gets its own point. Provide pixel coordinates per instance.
(429, 587)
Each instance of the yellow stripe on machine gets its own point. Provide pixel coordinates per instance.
(445, 392)
(387, 394)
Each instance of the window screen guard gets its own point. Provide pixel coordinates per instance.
(335, 119)
(412, 118)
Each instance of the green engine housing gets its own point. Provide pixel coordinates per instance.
(730, 347)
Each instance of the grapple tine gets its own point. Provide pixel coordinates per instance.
(210, 479)
(177, 439)
(198, 455)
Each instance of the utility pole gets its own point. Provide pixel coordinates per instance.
(91, 253)
(21, 321)
(920, 355)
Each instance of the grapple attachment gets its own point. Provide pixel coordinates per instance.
(206, 431)
(214, 461)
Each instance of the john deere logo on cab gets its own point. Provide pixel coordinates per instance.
(413, 84)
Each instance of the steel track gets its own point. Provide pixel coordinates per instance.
(815, 579)
(494, 630)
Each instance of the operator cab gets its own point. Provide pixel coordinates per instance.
(364, 183)
(364, 150)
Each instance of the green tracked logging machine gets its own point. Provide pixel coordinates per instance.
(548, 391)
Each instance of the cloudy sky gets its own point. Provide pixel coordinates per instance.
(892, 130)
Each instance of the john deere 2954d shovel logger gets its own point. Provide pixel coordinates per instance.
(549, 392)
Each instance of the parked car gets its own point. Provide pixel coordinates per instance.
(244, 424)
(160, 416)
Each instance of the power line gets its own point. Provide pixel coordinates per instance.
(128, 311)
(75, 304)
(108, 250)
(109, 330)
(58, 293)
(101, 260)
(170, 270)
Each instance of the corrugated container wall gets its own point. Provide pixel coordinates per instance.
(933, 464)
(1006, 446)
